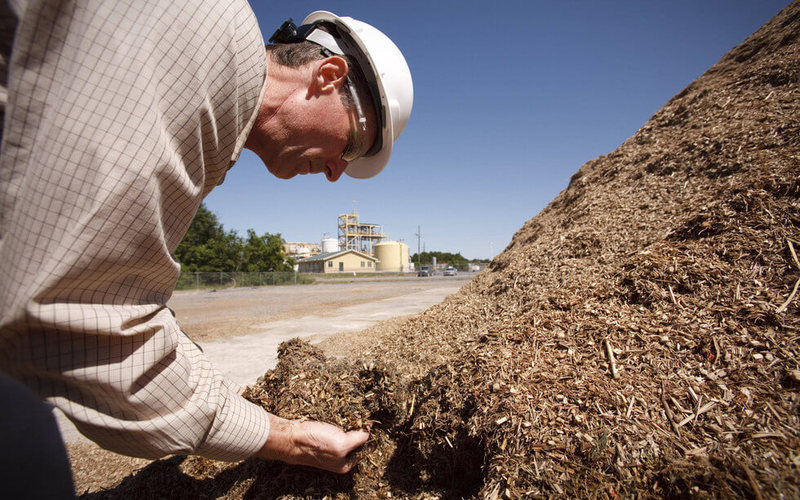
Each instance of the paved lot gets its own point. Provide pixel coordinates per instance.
(245, 358)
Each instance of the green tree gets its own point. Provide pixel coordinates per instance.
(204, 227)
(220, 253)
(455, 260)
(207, 247)
(265, 253)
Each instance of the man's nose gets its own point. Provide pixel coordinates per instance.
(334, 169)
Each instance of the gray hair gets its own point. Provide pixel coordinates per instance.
(294, 55)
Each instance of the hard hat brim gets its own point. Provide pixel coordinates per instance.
(370, 166)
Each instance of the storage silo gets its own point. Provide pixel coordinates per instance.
(330, 245)
(392, 256)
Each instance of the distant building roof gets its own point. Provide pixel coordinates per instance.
(331, 255)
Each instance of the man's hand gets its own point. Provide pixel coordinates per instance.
(316, 444)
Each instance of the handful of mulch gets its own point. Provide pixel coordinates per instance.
(307, 385)
(304, 385)
(351, 395)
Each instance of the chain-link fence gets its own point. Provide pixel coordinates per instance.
(189, 281)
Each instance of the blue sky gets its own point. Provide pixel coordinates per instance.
(511, 98)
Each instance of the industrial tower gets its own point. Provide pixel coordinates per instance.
(359, 236)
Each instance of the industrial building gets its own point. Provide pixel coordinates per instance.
(344, 261)
(356, 235)
(360, 247)
(392, 256)
(300, 251)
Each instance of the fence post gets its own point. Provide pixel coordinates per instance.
(196, 281)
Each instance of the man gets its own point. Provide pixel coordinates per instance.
(121, 117)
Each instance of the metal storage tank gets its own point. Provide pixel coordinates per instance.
(330, 245)
(392, 256)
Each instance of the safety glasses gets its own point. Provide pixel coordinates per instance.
(357, 145)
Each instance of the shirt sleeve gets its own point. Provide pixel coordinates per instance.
(121, 117)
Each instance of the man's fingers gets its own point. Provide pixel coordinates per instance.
(354, 439)
(351, 462)
(317, 444)
(350, 443)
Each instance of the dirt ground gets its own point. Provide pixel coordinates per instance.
(207, 315)
(211, 315)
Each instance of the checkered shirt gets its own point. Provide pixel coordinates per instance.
(121, 117)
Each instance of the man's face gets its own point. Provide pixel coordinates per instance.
(315, 140)
(311, 130)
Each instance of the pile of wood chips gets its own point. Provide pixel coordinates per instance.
(638, 337)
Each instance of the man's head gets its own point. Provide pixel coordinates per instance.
(295, 55)
(339, 93)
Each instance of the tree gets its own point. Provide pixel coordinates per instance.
(455, 260)
(207, 247)
(265, 253)
(204, 227)
(220, 253)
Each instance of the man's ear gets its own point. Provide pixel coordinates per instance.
(330, 75)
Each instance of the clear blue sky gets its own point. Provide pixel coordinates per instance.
(511, 98)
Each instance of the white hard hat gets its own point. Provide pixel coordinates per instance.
(387, 75)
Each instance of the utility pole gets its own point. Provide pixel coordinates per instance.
(419, 235)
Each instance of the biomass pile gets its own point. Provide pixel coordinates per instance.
(638, 337)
